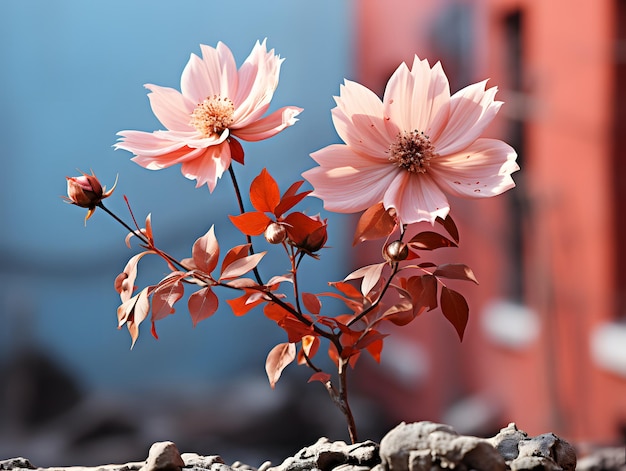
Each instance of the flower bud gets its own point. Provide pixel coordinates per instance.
(275, 233)
(87, 192)
(396, 251)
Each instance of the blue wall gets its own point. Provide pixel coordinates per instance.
(71, 76)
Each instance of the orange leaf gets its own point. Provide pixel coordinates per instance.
(290, 198)
(320, 376)
(310, 344)
(455, 309)
(311, 303)
(202, 304)
(264, 192)
(241, 305)
(278, 358)
(252, 223)
(374, 223)
(206, 251)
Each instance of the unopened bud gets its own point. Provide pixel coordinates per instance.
(87, 192)
(275, 233)
(396, 251)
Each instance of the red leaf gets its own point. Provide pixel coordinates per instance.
(374, 223)
(455, 309)
(311, 303)
(241, 266)
(241, 305)
(456, 271)
(290, 198)
(252, 223)
(423, 291)
(278, 358)
(206, 252)
(375, 349)
(264, 192)
(320, 376)
(236, 150)
(166, 294)
(449, 226)
(202, 304)
(401, 313)
(429, 240)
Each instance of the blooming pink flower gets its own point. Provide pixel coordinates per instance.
(410, 149)
(216, 103)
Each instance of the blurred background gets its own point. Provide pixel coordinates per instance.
(546, 342)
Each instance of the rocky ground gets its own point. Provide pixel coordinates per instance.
(419, 446)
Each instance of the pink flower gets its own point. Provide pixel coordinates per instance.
(410, 149)
(216, 103)
(86, 191)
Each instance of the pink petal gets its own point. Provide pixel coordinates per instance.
(471, 110)
(481, 170)
(359, 120)
(347, 182)
(209, 166)
(170, 107)
(214, 74)
(416, 198)
(417, 99)
(258, 79)
(268, 126)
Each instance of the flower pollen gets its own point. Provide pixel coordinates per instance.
(213, 115)
(412, 151)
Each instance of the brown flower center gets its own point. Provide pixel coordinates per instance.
(213, 115)
(412, 151)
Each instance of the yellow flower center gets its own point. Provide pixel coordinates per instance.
(213, 115)
(412, 151)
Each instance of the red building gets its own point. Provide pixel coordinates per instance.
(546, 342)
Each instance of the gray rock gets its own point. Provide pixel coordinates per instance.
(16, 463)
(549, 448)
(195, 461)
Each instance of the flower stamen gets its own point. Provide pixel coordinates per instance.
(213, 115)
(412, 151)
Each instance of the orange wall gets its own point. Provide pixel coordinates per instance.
(552, 384)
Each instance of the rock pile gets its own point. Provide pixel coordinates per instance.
(419, 446)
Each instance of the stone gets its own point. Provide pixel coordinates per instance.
(163, 456)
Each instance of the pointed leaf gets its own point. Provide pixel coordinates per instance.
(236, 150)
(206, 252)
(456, 271)
(311, 303)
(450, 227)
(264, 192)
(235, 253)
(375, 223)
(455, 309)
(310, 345)
(125, 281)
(241, 266)
(423, 291)
(278, 358)
(320, 376)
(429, 240)
(166, 294)
(241, 305)
(202, 304)
(371, 276)
(252, 223)
(290, 199)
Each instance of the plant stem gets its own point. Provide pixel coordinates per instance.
(241, 211)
